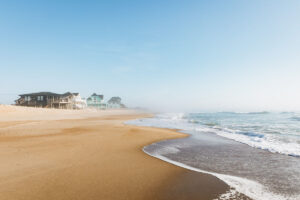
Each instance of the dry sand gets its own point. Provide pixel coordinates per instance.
(88, 155)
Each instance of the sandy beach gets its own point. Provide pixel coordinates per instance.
(65, 154)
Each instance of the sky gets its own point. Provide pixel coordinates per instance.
(168, 55)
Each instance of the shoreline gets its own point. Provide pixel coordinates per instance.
(214, 148)
(94, 156)
(232, 192)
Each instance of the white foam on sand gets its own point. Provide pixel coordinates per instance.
(271, 142)
(247, 187)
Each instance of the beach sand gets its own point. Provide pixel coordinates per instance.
(62, 154)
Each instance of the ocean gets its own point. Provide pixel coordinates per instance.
(256, 153)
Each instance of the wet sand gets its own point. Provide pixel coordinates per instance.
(57, 154)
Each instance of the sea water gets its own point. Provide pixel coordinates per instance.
(258, 154)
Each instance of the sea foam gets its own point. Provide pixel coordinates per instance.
(248, 128)
(279, 135)
(247, 187)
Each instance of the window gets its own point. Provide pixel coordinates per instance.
(27, 98)
(40, 98)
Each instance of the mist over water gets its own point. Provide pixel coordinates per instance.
(263, 147)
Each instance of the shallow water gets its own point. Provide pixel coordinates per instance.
(279, 173)
(275, 175)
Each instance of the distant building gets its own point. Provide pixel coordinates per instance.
(78, 102)
(51, 100)
(40, 99)
(115, 102)
(96, 101)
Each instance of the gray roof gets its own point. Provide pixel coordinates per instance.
(49, 94)
(115, 100)
(99, 95)
(41, 94)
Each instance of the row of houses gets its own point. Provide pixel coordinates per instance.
(67, 100)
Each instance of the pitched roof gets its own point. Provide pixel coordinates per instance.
(41, 94)
(49, 94)
(115, 100)
(98, 95)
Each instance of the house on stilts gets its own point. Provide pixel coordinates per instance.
(67, 100)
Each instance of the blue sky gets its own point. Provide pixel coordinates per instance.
(175, 55)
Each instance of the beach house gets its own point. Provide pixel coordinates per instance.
(96, 101)
(115, 102)
(67, 100)
(39, 99)
(78, 102)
